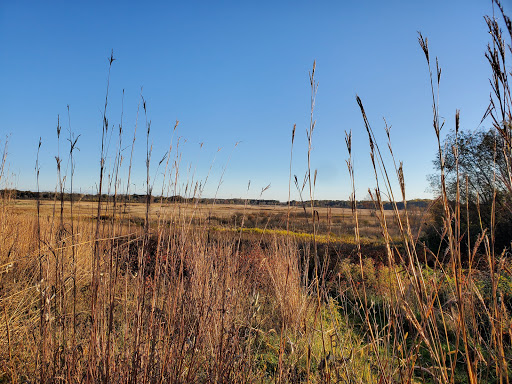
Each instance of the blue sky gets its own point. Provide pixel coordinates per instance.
(237, 72)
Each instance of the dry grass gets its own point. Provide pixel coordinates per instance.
(120, 292)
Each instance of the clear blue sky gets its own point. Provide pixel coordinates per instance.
(237, 72)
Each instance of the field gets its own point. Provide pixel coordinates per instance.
(181, 289)
(222, 293)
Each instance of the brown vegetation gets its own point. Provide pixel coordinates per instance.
(112, 291)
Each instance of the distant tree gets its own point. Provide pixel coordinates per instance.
(478, 161)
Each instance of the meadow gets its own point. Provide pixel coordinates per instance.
(171, 291)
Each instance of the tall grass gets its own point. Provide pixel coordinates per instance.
(111, 295)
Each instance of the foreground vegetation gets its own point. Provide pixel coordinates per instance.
(178, 291)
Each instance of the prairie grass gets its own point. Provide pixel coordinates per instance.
(116, 291)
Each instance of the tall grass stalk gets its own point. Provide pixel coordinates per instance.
(164, 291)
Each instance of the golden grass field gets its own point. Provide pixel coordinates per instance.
(197, 297)
(337, 222)
(118, 292)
